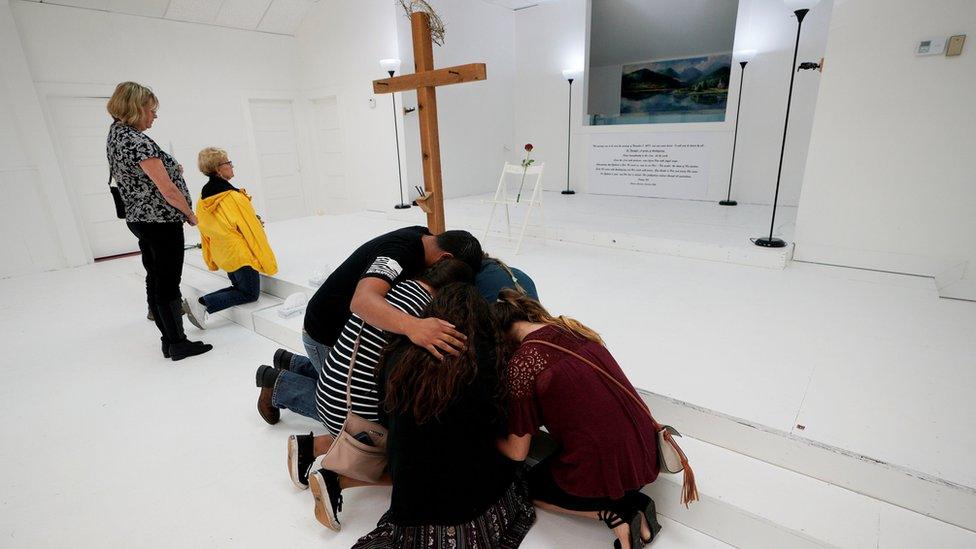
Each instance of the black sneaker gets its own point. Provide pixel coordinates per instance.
(328, 498)
(282, 359)
(300, 458)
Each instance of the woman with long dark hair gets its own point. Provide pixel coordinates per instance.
(607, 445)
(451, 486)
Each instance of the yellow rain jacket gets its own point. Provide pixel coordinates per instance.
(231, 234)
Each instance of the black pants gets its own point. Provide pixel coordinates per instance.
(161, 245)
(543, 487)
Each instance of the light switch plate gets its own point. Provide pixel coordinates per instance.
(955, 45)
(931, 46)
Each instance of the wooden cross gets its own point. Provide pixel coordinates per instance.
(425, 80)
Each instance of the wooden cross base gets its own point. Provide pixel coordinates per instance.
(426, 80)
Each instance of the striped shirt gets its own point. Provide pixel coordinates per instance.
(330, 394)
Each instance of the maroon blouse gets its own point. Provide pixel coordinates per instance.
(607, 443)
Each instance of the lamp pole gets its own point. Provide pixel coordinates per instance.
(569, 133)
(746, 56)
(770, 241)
(396, 134)
(391, 66)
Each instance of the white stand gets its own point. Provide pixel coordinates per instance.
(531, 197)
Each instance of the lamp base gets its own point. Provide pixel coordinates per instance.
(728, 203)
(767, 242)
(568, 191)
(401, 206)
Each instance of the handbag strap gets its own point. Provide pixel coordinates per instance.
(689, 488)
(632, 396)
(352, 363)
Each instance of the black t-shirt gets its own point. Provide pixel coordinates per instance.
(448, 470)
(393, 257)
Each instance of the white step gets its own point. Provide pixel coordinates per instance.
(815, 513)
(900, 486)
(272, 285)
(286, 331)
(206, 282)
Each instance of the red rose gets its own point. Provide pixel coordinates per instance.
(528, 147)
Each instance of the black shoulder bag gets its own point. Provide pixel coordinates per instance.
(116, 197)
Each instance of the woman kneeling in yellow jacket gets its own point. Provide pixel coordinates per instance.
(232, 236)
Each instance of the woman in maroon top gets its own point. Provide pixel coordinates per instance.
(607, 446)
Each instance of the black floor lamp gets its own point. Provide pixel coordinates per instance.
(800, 8)
(569, 75)
(744, 56)
(391, 66)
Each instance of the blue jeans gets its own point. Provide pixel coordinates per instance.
(295, 388)
(246, 289)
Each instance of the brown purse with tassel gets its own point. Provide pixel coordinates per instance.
(670, 456)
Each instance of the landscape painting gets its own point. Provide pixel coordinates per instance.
(690, 89)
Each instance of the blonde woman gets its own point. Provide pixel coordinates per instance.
(232, 236)
(607, 447)
(157, 203)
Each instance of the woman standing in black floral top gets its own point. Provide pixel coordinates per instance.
(157, 203)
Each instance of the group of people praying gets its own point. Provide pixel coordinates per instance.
(448, 349)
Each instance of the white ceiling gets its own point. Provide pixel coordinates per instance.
(274, 16)
(515, 4)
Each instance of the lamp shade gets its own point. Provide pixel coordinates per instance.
(800, 4)
(572, 73)
(390, 64)
(744, 55)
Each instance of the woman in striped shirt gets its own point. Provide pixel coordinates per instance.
(409, 296)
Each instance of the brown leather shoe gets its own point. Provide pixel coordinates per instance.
(265, 378)
(267, 410)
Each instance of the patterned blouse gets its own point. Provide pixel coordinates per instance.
(126, 147)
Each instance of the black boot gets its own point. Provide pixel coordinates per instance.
(157, 318)
(172, 321)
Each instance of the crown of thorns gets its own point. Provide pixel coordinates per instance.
(436, 25)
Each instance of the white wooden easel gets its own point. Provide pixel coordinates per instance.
(531, 197)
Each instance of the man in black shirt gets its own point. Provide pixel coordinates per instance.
(359, 285)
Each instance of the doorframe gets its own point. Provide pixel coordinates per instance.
(350, 203)
(301, 136)
(49, 91)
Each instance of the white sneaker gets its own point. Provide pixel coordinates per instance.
(196, 313)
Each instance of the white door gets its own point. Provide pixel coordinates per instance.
(276, 141)
(81, 125)
(328, 149)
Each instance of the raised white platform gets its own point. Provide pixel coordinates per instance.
(863, 361)
(685, 228)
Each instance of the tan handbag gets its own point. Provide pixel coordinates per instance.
(350, 457)
(670, 456)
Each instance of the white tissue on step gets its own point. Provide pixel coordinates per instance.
(294, 304)
(319, 276)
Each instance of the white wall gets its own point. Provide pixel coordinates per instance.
(340, 43)
(552, 36)
(36, 221)
(201, 74)
(890, 183)
(476, 120)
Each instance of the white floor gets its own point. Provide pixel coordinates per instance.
(107, 445)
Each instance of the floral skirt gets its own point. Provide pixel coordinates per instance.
(502, 526)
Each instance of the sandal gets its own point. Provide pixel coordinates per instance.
(613, 520)
(645, 506)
